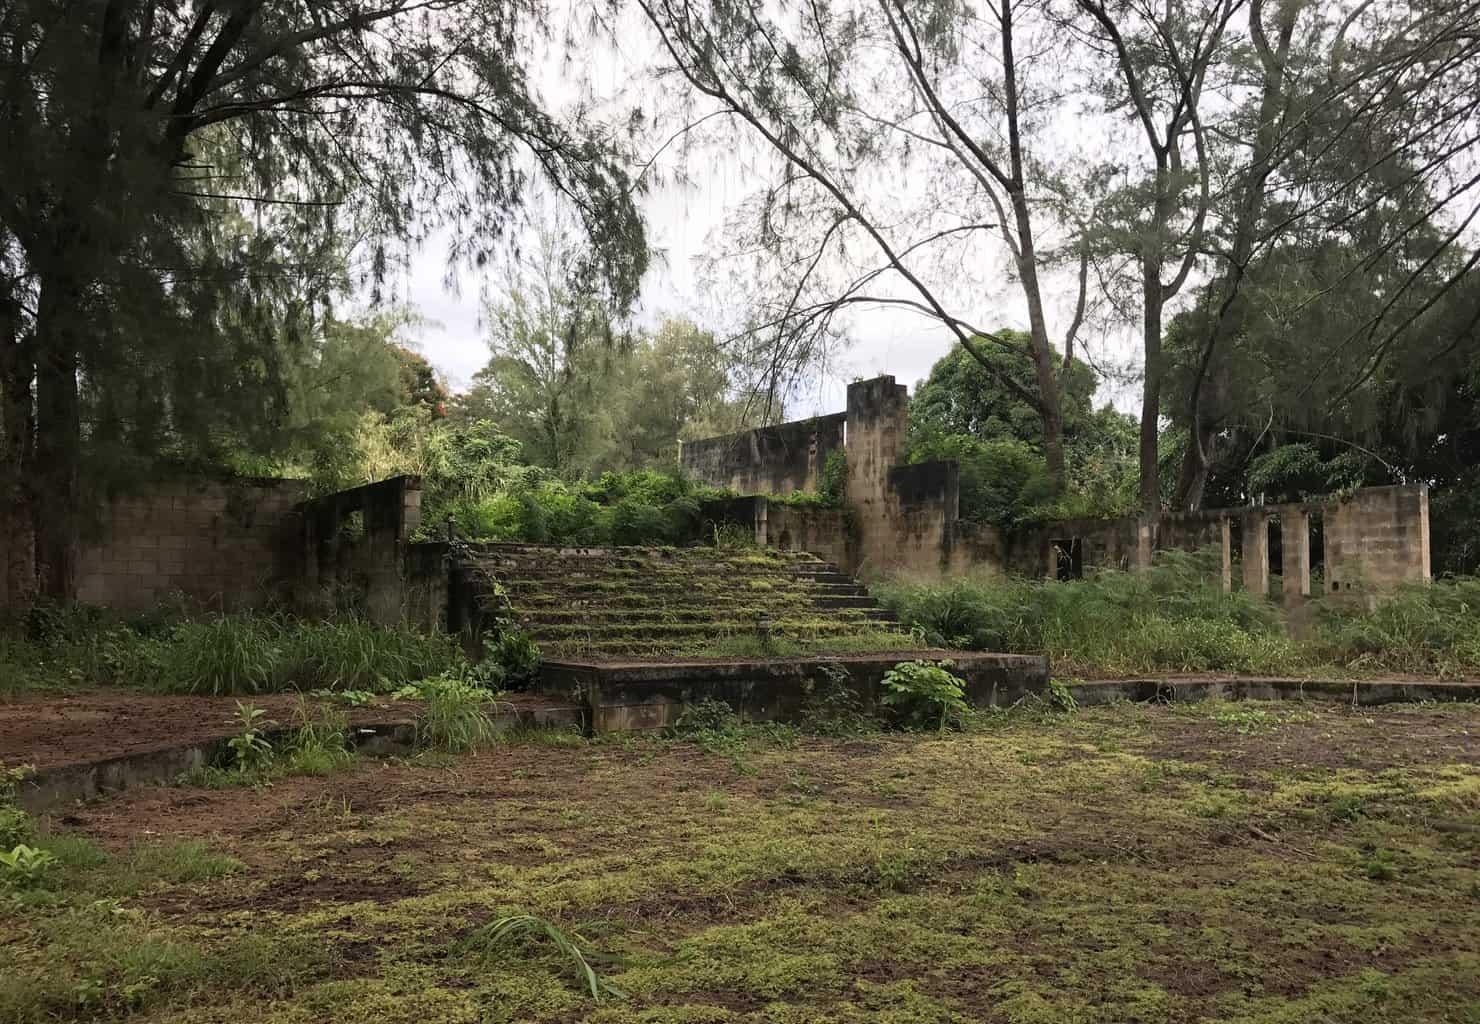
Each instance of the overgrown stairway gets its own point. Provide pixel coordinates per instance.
(635, 603)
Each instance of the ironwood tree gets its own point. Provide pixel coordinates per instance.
(128, 129)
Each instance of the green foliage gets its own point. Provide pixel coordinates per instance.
(1172, 617)
(642, 507)
(1426, 628)
(924, 693)
(250, 750)
(511, 661)
(247, 653)
(16, 827)
(833, 484)
(832, 706)
(705, 718)
(509, 930)
(25, 867)
(1060, 697)
(1175, 617)
(454, 715)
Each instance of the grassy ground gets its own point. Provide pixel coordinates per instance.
(1230, 862)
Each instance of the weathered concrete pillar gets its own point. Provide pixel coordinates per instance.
(1051, 563)
(1225, 537)
(1295, 553)
(1145, 543)
(1256, 552)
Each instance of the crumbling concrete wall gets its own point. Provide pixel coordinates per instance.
(1377, 537)
(827, 533)
(357, 541)
(768, 460)
(906, 518)
(223, 545)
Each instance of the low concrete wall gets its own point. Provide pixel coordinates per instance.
(1354, 692)
(635, 696)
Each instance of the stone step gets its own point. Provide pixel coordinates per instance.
(538, 617)
(862, 600)
(597, 633)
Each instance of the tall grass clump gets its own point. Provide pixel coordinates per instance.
(1422, 628)
(247, 654)
(1173, 617)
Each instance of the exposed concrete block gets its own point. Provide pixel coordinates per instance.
(1294, 553)
(1255, 530)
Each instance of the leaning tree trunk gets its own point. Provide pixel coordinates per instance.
(54, 474)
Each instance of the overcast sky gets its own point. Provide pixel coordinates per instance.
(686, 221)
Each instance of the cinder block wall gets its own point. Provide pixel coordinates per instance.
(779, 459)
(223, 545)
(1377, 537)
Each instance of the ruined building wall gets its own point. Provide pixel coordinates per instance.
(222, 545)
(368, 564)
(768, 460)
(905, 518)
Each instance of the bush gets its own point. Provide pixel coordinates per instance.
(925, 693)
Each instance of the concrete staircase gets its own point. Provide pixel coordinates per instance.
(634, 603)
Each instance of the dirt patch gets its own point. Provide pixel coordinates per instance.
(52, 732)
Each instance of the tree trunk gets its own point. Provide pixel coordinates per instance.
(54, 476)
(1151, 396)
(1050, 406)
(15, 449)
(1196, 463)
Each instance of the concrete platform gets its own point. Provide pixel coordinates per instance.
(636, 695)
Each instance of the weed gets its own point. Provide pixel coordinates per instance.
(16, 827)
(1060, 697)
(25, 867)
(455, 716)
(831, 706)
(320, 741)
(250, 750)
(505, 930)
(925, 693)
(1380, 866)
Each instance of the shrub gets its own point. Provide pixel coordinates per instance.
(25, 867)
(925, 693)
(515, 656)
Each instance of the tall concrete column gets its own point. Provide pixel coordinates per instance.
(1256, 552)
(1295, 553)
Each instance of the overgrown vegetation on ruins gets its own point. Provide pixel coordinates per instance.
(1175, 617)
